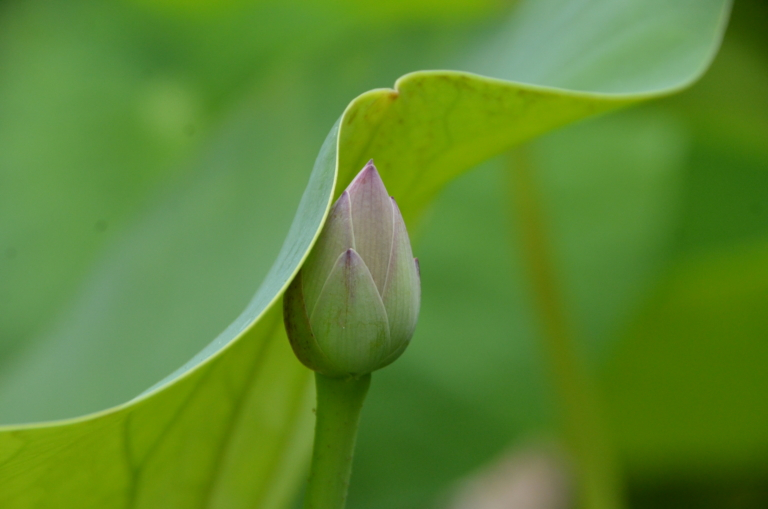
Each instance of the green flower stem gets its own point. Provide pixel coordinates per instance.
(585, 429)
(339, 402)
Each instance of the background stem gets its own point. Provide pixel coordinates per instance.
(589, 442)
(339, 402)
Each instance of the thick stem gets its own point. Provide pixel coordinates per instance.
(339, 402)
(586, 431)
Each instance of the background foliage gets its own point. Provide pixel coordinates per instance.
(128, 190)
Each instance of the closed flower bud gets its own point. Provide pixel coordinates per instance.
(353, 306)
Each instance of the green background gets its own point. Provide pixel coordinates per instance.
(142, 143)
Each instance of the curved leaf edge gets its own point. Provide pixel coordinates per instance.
(253, 313)
(247, 320)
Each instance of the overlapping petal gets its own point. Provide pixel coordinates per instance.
(402, 288)
(335, 238)
(349, 320)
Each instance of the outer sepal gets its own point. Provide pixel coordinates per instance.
(300, 335)
(349, 321)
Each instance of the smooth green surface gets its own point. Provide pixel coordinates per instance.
(339, 404)
(686, 381)
(696, 355)
(97, 320)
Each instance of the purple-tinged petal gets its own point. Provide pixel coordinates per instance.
(335, 238)
(372, 222)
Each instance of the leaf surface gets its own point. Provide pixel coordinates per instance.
(230, 428)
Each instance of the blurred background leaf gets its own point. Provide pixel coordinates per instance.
(139, 141)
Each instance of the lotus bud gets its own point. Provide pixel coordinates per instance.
(353, 306)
